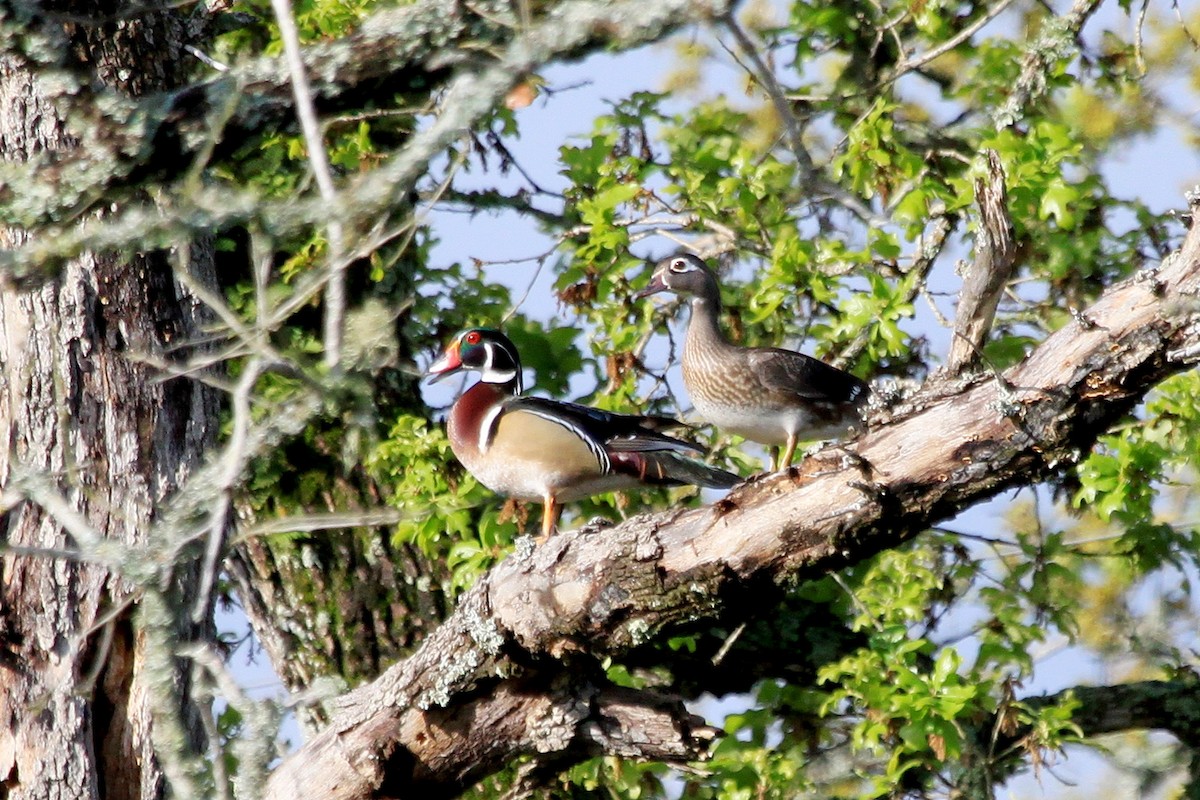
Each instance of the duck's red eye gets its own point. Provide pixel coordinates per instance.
(472, 337)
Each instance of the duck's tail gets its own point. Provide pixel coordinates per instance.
(671, 468)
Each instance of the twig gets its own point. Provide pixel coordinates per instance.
(104, 625)
(335, 290)
(255, 748)
(309, 523)
(765, 78)
(810, 179)
(908, 65)
(233, 460)
(261, 258)
(516, 304)
(203, 697)
(1139, 56)
(93, 546)
(1039, 56)
(204, 58)
(856, 602)
(728, 644)
(1183, 25)
(928, 251)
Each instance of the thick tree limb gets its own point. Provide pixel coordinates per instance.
(1168, 705)
(995, 254)
(952, 445)
(1152, 705)
(567, 719)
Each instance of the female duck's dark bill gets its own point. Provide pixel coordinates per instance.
(656, 285)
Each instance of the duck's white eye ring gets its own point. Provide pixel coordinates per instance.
(679, 265)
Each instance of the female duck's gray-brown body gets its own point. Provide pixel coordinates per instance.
(532, 448)
(765, 394)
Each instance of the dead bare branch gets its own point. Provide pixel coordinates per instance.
(995, 256)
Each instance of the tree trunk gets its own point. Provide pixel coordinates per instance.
(83, 411)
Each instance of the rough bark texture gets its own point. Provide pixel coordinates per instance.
(562, 717)
(546, 611)
(995, 256)
(77, 406)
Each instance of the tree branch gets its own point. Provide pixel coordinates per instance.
(1152, 705)
(1056, 41)
(1142, 705)
(995, 255)
(561, 716)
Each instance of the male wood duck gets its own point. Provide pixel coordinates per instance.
(764, 394)
(531, 448)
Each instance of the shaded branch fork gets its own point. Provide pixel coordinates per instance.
(586, 594)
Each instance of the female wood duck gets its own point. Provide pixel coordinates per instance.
(531, 448)
(765, 394)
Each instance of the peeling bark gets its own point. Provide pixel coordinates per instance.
(995, 256)
(587, 594)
